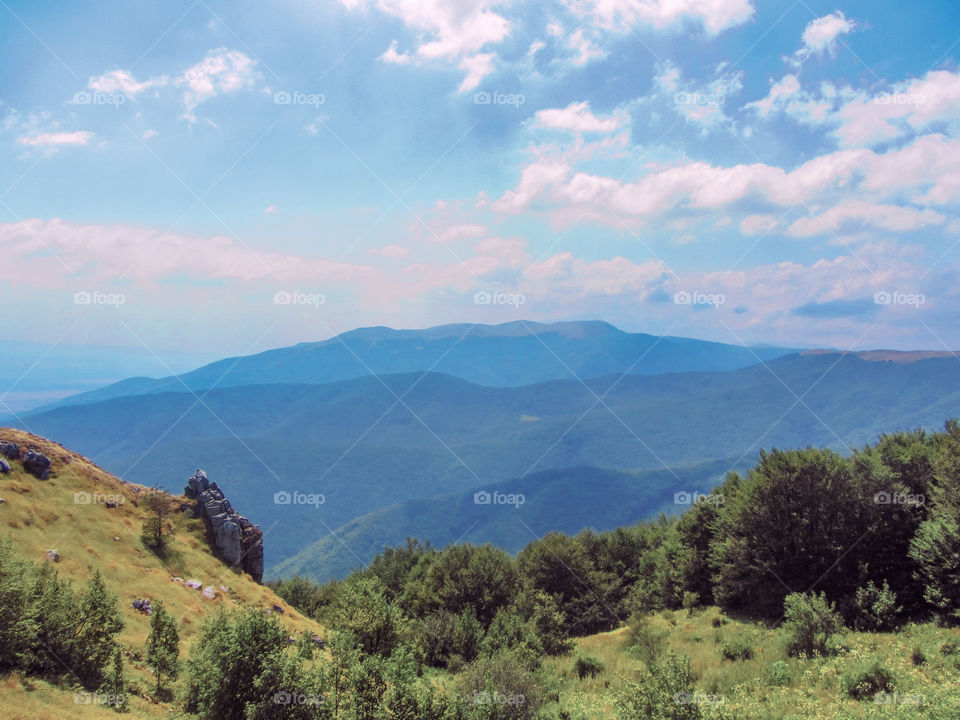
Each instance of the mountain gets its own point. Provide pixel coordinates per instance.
(514, 353)
(564, 500)
(371, 442)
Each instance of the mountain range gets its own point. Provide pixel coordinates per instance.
(396, 430)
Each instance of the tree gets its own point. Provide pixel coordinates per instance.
(795, 518)
(362, 609)
(116, 686)
(810, 621)
(231, 654)
(163, 645)
(157, 528)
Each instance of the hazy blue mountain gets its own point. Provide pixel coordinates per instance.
(514, 353)
(566, 500)
(369, 443)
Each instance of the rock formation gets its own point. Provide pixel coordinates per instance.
(37, 464)
(237, 540)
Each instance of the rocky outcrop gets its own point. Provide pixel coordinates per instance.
(37, 464)
(238, 541)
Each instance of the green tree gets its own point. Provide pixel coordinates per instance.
(363, 610)
(163, 646)
(809, 622)
(116, 685)
(157, 527)
(663, 692)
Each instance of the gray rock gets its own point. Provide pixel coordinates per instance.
(238, 541)
(4, 466)
(9, 449)
(53, 555)
(37, 464)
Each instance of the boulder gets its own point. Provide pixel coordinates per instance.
(4, 466)
(37, 464)
(194, 584)
(9, 449)
(209, 592)
(53, 555)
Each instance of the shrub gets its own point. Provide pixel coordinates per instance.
(876, 609)
(810, 622)
(644, 640)
(500, 688)
(588, 666)
(662, 693)
(867, 680)
(917, 657)
(736, 647)
(949, 647)
(780, 673)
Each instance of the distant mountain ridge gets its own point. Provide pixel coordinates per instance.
(510, 354)
(371, 442)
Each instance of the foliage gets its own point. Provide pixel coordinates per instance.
(163, 645)
(876, 608)
(663, 692)
(810, 621)
(867, 680)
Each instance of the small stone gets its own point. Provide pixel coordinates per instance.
(53, 555)
(209, 592)
(177, 580)
(4, 466)
(116, 539)
(194, 584)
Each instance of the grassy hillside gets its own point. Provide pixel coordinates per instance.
(41, 515)
(363, 450)
(751, 689)
(565, 500)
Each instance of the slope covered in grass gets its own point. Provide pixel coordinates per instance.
(67, 513)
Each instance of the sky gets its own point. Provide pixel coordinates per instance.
(218, 178)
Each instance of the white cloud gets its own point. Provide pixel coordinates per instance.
(147, 134)
(56, 139)
(270, 210)
(714, 15)
(121, 81)
(221, 71)
(392, 57)
(576, 117)
(821, 35)
(449, 30)
(859, 213)
(586, 50)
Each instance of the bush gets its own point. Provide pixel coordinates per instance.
(876, 609)
(644, 640)
(500, 688)
(780, 673)
(736, 647)
(949, 647)
(588, 666)
(867, 681)
(662, 693)
(810, 622)
(917, 657)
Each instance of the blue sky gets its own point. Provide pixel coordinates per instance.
(735, 170)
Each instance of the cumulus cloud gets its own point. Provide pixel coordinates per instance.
(392, 57)
(122, 81)
(822, 35)
(576, 117)
(714, 16)
(221, 71)
(392, 250)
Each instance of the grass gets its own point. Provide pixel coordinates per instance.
(42, 514)
(749, 687)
